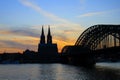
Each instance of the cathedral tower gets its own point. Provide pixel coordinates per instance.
(49, 37)
(47, 50)
(42, 41)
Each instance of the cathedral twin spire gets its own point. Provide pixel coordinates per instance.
(42, 41)
(49, 37)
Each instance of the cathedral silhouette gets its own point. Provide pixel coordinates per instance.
(47, 50)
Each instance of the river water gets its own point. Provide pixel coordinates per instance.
(102, 71)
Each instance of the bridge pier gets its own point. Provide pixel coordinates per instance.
(78, 55)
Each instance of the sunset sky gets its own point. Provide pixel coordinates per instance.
(21, 21)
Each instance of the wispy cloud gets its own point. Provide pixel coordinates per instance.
(23, 37)
(61, 25)
(17, 40)
(12, 46)
(91, 14)
(41, 11)
(20, 39)
(20, 32)
(48, 14)
(100, 13)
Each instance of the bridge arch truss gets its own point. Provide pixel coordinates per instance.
(100, 36)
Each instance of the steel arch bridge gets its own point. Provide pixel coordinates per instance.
(100, 36)
(98, 42)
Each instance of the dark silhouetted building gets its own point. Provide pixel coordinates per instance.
(47, 51)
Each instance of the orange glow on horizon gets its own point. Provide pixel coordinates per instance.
(11, 50)
(61, 44)
(6, 49)
(13, 43)
(27, 40)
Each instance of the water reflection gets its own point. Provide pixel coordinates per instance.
(68, 72)
(56, 72)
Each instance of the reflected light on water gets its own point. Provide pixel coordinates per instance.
(56, 72)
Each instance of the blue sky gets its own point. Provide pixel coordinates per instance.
(23, 19)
